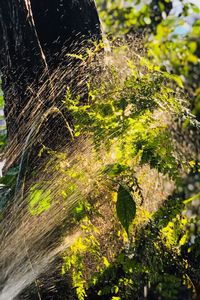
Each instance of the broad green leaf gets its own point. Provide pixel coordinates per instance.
(126, 207)
(39, 200)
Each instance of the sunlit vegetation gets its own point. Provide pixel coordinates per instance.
(129, 179)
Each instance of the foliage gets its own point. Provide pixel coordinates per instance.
(125, 206)
(39, 200)
(1, 101)
(140, 110)
(121, 17)
(7, 187)
(124, 119)
(130, 114)
(74, 259)
(129, 119)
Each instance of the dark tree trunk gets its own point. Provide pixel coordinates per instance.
(35, 37)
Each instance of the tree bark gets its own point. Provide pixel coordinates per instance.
(35, 38)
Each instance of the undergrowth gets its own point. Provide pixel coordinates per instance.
(129, 116)
(126, 250)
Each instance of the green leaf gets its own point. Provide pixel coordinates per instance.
(1, 101)
(175, 78)
(39, 200)
(73, 55)
(3, 138)
(126, 207)
(10, 178)
(115, 169)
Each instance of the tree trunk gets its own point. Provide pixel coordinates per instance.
(35, 38)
